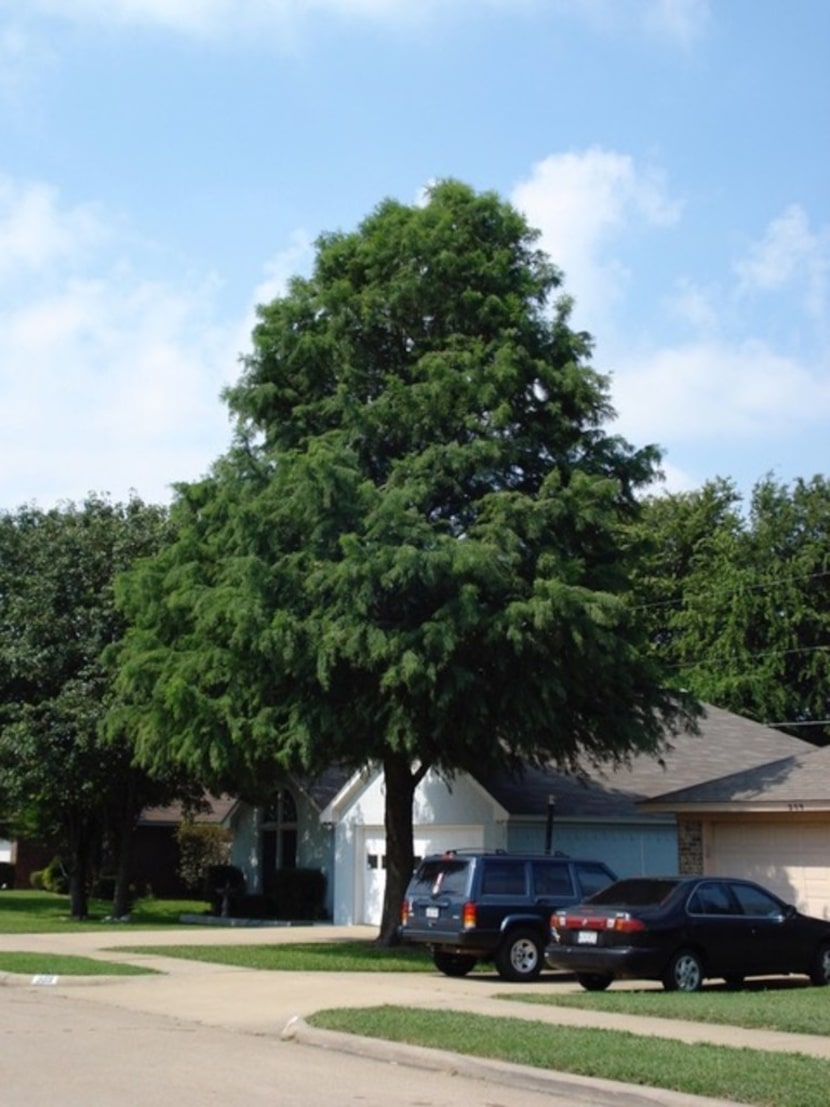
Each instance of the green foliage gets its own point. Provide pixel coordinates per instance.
(415, 552)
(201, 845)
(51, 879)
(60, 776)
(738, 604)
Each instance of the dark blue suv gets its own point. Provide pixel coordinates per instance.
(471, 906)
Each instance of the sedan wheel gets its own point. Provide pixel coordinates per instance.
(519, 956)
(820, 971)
(453, 964)
(685, 972)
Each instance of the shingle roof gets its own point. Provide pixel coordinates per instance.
(217, 810)
(792, 781)
(725, 743)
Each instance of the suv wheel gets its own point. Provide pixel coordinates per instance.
(593, 981)
(453, 964)
(519, 957)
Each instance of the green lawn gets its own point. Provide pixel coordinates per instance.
(779, 1005)
(30, 912)
(58, 964)
(341, 956)
(744, 1075)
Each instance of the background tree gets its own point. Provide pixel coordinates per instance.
(746, 618)
(58, 773)
(414, 554)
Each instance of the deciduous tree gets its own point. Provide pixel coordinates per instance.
(60, 777)
(415, 552)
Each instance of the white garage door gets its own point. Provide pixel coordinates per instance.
(792, 859)
(373, 859)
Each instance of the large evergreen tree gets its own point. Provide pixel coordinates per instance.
(415, 554)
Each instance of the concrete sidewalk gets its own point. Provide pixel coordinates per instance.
(277, 1004)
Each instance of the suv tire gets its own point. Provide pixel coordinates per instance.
(520, 957)
(453, 964)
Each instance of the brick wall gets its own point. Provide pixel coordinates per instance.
(690, 846)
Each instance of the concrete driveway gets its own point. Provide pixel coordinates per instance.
(203, 1034)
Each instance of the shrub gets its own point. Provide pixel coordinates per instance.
(299, 894)
(6, 874)
(223, 884)
(54, 878)
(201, 845)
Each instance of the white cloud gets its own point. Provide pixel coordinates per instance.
(108, 381)
(581, 201)
(35, 234)
(710, 390)
(789, 253)
(214, 18)
(680, 21)
(677, 21)
(694, 305)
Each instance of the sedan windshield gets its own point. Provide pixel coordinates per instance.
(635, 892)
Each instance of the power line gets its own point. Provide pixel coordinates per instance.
(761, 586)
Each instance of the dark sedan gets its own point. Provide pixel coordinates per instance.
(681, 930)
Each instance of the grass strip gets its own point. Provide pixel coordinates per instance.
(33, 912)
(779, 1006)
(345, 956)
(58, 964)
(747, 1076)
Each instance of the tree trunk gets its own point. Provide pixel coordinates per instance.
(121, 898)
(400, 783)
(78, 840)
(125, 821)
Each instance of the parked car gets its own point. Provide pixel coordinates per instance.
(681, 930)
(471, 906)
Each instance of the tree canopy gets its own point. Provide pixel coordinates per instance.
(61, 779)
(737, 602)
(416, 553)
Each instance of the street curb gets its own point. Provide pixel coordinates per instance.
(580, 1089)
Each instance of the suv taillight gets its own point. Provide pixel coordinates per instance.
(468, 916)
(405, 912)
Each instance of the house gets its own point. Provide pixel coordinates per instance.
(336, 823)
(769, 822)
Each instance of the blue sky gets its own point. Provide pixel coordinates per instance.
(166, 164)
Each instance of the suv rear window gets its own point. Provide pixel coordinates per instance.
(447, 875)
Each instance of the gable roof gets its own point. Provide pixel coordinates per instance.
(724, 744)
(799, 783)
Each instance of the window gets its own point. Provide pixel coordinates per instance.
(445, 876)
(592, 878)
(279, 832)
(552, 879)
(757, 902)
(503, 878)
(711, 899)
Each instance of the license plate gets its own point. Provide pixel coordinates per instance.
(586, 938)
(433, 912)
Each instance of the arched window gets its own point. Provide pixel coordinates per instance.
(279, 834)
